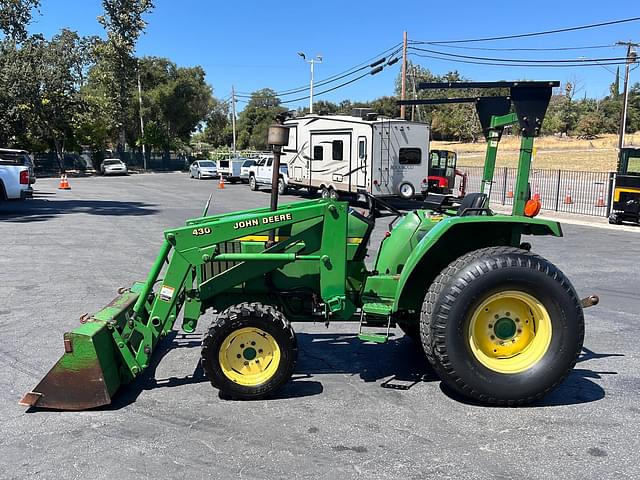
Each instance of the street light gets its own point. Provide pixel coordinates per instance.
(317, 59)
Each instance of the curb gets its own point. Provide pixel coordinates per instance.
(574, 219)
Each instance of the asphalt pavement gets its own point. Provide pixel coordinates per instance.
(65, 253)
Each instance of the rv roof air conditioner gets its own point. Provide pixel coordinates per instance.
(364, 113)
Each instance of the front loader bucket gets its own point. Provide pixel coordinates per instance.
(92, 368)
(86, 376)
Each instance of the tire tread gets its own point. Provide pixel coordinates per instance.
(433, 327)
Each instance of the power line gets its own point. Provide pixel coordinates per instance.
(329, 90)
(520, 49)
(586, 63)
(396, 48)
(319, 84)
(509, 60)
(534, 34)
(338, 76)
(318, 93)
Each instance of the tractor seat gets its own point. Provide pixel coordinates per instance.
(473, 204)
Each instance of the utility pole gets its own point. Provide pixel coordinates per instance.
(415, 94)
(233, 118)
(631, 58)
(144, 152)
(404, 74)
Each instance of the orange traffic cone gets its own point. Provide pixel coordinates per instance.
(600, 201)
(221, 183)
(510, 192)
(536, 195)
(64, 182)
(567, 198)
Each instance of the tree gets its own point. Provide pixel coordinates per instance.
(218, 131)
(590, 124)
(124, 24)
(614, 88)
(448, 122)
(175, 101)
(63, 62)
(254, 120)
(15, 15)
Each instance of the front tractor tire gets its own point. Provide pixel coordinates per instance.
(502, 326)
(249, 351)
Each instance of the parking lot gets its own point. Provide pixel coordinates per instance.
(65, 253)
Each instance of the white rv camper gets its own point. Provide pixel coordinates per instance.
(356, 153)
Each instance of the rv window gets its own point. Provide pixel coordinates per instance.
(317, 152)
(410, 156)
(293, 138)
(361, 149)
(337, 149)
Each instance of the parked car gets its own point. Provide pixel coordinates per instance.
(16, 174)
(244, 169)
(203, 169)
(113, 166)
(261, 172)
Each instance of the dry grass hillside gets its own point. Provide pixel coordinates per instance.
(598, 155)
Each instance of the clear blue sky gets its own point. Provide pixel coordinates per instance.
(253, 44)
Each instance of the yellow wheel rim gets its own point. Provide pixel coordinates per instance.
(509, 332)
(249, 356)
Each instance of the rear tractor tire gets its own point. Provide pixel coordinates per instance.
(249, 351)
(502, 326)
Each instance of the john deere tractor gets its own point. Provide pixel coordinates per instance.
(498, 323)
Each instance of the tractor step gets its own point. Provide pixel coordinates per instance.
(373, 322)
(373, 337)
(382, 309)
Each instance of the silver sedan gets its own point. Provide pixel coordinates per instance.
(203, 169)
(113, 166)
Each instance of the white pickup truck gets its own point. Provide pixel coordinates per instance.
(16, 174)
(261, 174)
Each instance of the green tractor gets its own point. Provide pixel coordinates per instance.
(498, 323)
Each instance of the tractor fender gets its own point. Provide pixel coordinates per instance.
(453, 237)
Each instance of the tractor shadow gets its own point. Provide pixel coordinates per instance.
(399, 364)
(41, 209)
(398, 361)
(148, 381)
(576, 389)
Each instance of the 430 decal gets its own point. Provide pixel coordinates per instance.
(201, 231)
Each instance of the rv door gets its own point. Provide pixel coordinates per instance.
(331, 154)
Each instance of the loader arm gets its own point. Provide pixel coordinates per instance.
(116, 344)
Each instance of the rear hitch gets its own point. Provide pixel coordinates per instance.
(590, 301)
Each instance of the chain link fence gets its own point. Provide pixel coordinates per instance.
(47, 163)
(585, 193)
